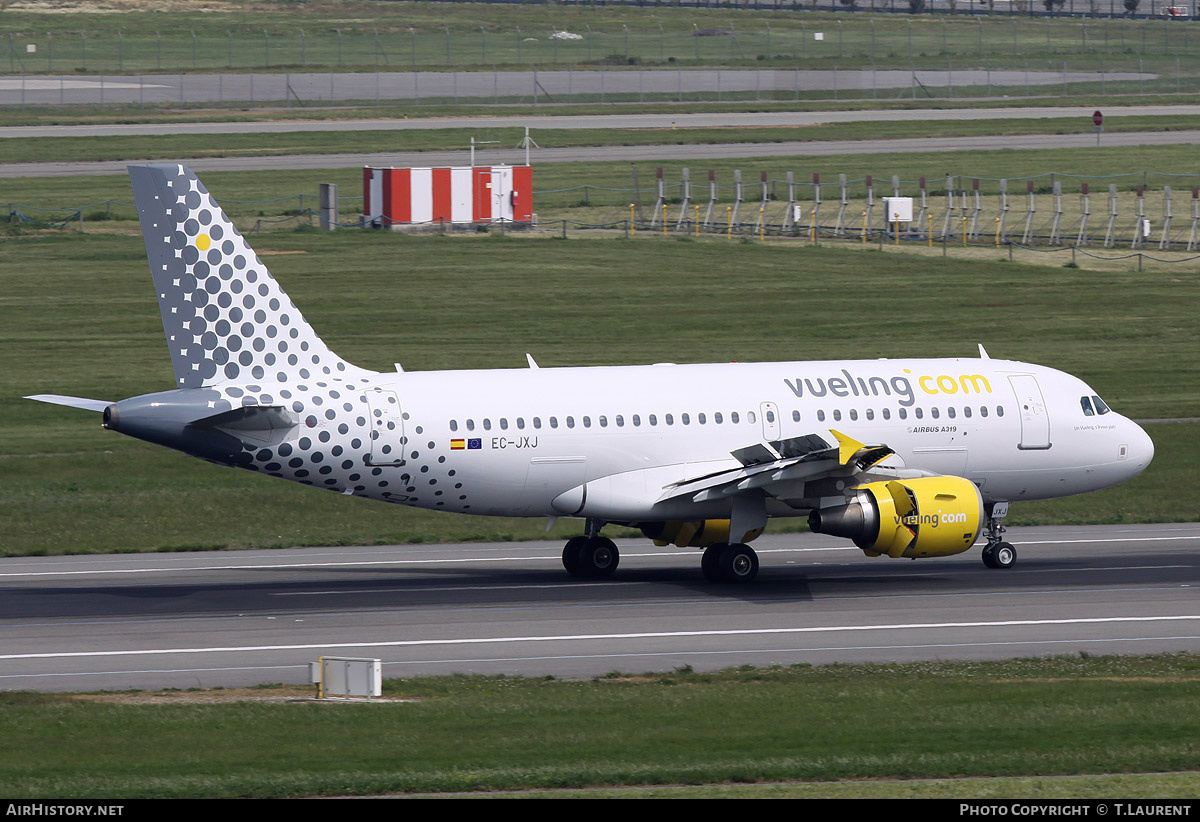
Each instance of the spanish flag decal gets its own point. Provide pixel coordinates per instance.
(458, 445)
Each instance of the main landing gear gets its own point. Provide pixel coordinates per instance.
(997, 553)
(590, 557)
(729, 562)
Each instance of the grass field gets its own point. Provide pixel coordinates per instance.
(457, 302)
(360, 35)
(1032, 721)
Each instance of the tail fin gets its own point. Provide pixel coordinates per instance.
(225, 317)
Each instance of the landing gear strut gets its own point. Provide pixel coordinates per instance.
(998, 553)
(729, 562)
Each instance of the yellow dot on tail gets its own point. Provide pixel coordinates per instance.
(202, 242)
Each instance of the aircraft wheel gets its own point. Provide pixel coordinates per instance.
(1000, 555)
(738, 563)
(710, 563)
(572, 555)
(1006, 555)
(598, 558)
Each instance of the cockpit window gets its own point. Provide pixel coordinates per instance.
(1086, 403)
(1101, 408)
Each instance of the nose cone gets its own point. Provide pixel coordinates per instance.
(1141, 449)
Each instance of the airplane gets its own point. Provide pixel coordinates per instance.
(907, 458)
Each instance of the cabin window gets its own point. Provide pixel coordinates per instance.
(487, 424)
(717, 418)
(918, 413)
(587, 422)
(967, 411)
(554, 422)
(620, 420)
(504, 423)
(837, 415)
(950, 412)
(983, 411)
(637, 421)
(870, 413)
(653, 419)
(999, 410)
(903, 412)
(854, 414)
(670, 418)
(751, 417)
(733, 417)
(470, 425)
(453, 425)
(537, 422)
(603, 421)
(795, 416)
(685, 418)
(521, 423)
(570, 422)
(700, 418)
(821, 415)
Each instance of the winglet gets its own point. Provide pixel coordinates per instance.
(983, 355)
(532, 364)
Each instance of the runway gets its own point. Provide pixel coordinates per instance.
(242, 618)
(665, 153)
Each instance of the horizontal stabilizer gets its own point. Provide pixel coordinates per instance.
(74, 402)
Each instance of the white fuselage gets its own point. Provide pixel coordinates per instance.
(509, 442)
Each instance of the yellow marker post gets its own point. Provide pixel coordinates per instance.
(762, 224)
(964, 230)
(729, 222)
(697, 221)
(997, 232)
(864, 231)
(929, 230)
(812, 225)
(632, 224)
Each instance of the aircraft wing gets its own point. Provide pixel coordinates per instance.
(767, 464)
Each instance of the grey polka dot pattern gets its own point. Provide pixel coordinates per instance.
(225, 316)
(267, 380)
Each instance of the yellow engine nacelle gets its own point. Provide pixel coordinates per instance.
(699, 534)
(925, 517)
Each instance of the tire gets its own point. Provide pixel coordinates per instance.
(598, 558)
(572, 555)
(710, 562)
(1006, 555)
(738, 563)
(989, 556)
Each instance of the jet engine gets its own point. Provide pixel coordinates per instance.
(923, 517)
(693, 534)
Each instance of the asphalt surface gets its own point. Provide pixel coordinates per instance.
(242, 618)
(693, 153)
(590, 85)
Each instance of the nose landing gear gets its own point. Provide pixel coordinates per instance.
(997, 553)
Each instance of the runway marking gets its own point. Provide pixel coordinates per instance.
(510, 558)
(413, 643)
(650, 654)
